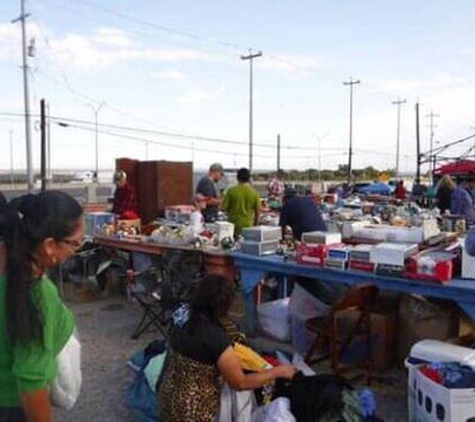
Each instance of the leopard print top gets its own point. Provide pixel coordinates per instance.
(190, 390)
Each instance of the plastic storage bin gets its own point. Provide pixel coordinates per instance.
(428, 351)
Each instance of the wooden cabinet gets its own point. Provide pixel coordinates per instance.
(160, 184)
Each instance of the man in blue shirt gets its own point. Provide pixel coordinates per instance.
(462, 200)
(207, 188)
(301, 213)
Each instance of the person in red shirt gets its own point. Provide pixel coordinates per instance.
(125, 204)
(400, 191)
(276, 186)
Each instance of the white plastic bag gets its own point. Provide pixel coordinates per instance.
(305, 304)
(276, 411)
(274, 319)
(236, 406)
(65, 388)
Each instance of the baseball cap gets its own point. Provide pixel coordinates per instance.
(119, 176)
(216, 167)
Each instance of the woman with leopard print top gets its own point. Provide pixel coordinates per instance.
(201, 356)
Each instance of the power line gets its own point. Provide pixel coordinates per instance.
(86, 124)
(150, 141)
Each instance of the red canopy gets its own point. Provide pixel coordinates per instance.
(461, 167)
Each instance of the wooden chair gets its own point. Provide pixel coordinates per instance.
(328, 338)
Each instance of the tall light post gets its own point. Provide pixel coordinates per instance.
(11, 157)
(96, 130)
(351, 83)
(473, 128)
(398, 103)
(26, 98)
(251, 56)
(432, 126)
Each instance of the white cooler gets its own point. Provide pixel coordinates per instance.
(456, 407)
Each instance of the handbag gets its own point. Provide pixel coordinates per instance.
(65, 388)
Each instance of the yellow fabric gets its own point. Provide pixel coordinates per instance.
(250, 360)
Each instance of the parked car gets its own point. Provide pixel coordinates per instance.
(356, 188)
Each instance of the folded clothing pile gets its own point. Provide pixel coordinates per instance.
(450, 374)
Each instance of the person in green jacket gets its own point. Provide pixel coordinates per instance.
(242, 203)
(38, 232)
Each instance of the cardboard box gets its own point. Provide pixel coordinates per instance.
(312, 254)
(383, 339)
(468, 263)
(321, 238)
(81, 293)
(421, 319)
(392, 253)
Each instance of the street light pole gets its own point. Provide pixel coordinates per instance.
(398, 103)
(96, 126)
(251, 58)
(350, 83)
(26, 97)
(431, 116)
(11, 157)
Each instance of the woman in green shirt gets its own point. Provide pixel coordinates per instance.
(38, 231)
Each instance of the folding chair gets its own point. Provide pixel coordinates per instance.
(155, 301)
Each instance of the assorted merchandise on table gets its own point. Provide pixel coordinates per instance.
(175, 230)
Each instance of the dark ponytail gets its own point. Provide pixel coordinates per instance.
(24, 225)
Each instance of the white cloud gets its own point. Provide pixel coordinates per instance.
(418, 87)
(200, 95)
(170, 75)
(113, 37)
(467, 51)
(294, 63)
(88, 52)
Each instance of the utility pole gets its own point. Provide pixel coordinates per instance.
(26, 97)
(251, 56)
(320, 161)
(473, 128)
(398, 103)
(351, 83)
(418, 145)
(278, 152)
(431, 116)
(11, 157)
(96, 125)
(49, 176)
(43, 143)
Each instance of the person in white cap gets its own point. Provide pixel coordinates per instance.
(125, 204)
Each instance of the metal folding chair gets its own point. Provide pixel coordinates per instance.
(154, 300)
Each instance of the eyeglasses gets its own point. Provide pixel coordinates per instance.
(76, 244)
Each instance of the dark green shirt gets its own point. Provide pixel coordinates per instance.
(33, 368)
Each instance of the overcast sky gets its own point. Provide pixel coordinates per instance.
(174, 67)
